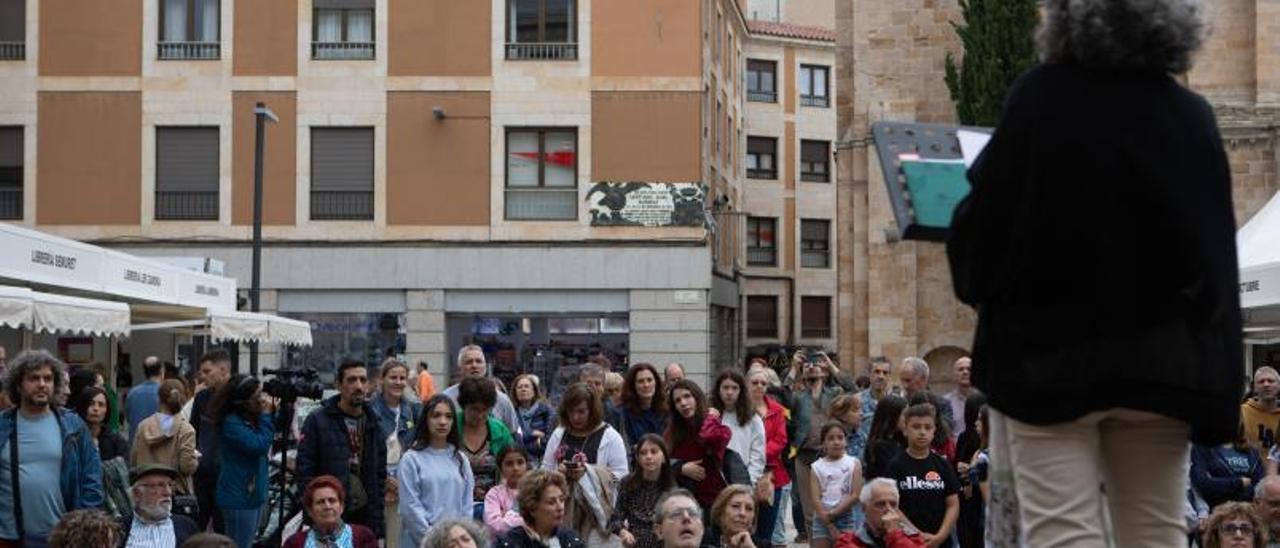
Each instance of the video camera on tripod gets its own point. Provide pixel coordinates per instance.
(291, 384)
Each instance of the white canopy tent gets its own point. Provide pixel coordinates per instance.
(1258, 247)
(22, 308)
(242, 327)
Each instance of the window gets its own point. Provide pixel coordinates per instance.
(542, 29)
(762, 317)
(13, 30)
(813, 86)
(815, 317)
(542, 174)
(342, 174)
(762, 81)
(815, 244)
(815, 161)
(761, 158)
(189, 29)
(186, 173)
(762, 245)
(343, 29)
(11, 173)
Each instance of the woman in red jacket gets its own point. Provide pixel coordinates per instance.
(323, 501)
(697, 440)
(775, 442)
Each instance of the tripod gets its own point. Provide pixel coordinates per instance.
(285, 500)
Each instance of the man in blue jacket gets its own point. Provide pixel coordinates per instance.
(343, 439)
(48, 462)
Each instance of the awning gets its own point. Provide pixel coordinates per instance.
(231, 325)
(250, 326)
(48, 313)
(1258, 250)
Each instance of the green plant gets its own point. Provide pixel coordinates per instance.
(998, 37)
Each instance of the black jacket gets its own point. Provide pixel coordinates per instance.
(206, 438)
(323, 449)
(1098, 246)
(519, 537)
(183, 528)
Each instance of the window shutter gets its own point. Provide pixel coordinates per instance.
(187, 159)
(813, 151)
(342, 159)
(10, 146)
(343, 4)
(13, 20)
(761, 145)
(813, 230)
(815, 317)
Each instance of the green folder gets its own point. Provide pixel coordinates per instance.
(935, 188)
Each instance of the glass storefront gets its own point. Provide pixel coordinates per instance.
(553, 347)
(337, 336)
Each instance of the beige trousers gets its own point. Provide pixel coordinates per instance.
(391, 514)
(1140, 458)
(801, 482)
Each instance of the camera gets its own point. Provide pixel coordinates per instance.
(291, 384)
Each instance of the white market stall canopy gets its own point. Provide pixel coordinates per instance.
(244, 327)
(33, 257)
(48, 313)
(1258, 248)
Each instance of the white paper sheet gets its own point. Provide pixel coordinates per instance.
(971, 144)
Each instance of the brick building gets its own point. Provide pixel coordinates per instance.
(434, 178)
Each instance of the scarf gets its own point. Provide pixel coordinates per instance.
(340, 537)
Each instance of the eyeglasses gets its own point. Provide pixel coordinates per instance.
(1235, 529)
(691, 512)
(166, 486)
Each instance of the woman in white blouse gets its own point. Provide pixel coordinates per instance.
(730, 397)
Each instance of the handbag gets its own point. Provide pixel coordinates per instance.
(734, 470)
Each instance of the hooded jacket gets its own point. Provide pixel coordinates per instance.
(174, 447)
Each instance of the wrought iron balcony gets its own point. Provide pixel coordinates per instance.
(347, 205)
(190, 50)
(13, 51)
(762, 96)
(173, 205)
(815, 101)
(342, 50)
(762, 256)
(546, 51)
(11, 203)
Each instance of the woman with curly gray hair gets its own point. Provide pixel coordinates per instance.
(456, 533)
(1098, 246)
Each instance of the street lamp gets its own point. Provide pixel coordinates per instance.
(262, 114)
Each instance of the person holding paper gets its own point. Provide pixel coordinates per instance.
(1098, 246)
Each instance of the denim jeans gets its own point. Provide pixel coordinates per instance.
(242, 525)
(780, 524)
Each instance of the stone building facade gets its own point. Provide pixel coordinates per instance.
(895, 296)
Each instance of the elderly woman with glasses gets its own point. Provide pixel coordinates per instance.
(541, 500)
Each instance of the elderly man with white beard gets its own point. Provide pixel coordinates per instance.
(153, 525)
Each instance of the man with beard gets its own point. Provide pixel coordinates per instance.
(343, 439)
(1261, 413)
(49, 464)
(677, 518)
(153, 525)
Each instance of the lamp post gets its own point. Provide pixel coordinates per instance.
(262, 114)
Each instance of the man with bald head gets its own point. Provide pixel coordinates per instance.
(964, 388)
(472, 364)
(674, 372)
(1260, 414)
(1266, 504)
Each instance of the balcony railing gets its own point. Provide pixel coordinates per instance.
(547, 51)
(815, 332)
(762, 96)
(13, 51)
(541, 205)
(815, 177)
(762, 330)
(762, 256)
(815, 259)
(342, 50)
(348, 205)
(172, 205)
(190, 50)
(762, 174)
(11, 203)
(815, 101)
